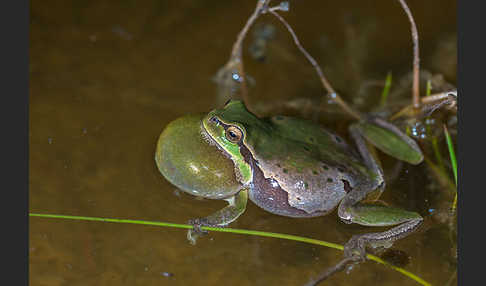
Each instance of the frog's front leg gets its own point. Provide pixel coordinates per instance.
(353, 209)
(236, 206)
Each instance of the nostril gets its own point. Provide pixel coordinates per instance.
(213, 120)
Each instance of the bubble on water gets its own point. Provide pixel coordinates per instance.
(284, 6)
(236, 76)
(332, 98)
(166, 274)
(429, 121)
(418, 130)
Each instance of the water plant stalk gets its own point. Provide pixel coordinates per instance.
(233, 230)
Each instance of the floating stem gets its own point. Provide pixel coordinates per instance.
(233, 230)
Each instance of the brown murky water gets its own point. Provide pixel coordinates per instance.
(107, 76)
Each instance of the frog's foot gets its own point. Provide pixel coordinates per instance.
(236, 206)
(355, 248)
(379, 241)
(197, 223)
(196, 231)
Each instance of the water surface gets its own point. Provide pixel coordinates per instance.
(107, 76)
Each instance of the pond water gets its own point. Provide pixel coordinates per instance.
(107, 76)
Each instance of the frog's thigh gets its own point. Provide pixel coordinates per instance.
(389, 139)
(378, 215)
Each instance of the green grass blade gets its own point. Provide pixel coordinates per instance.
(234, 230)
(428, 88)
(452, 155)
(441, 176)
(438, 156)
(386, 89)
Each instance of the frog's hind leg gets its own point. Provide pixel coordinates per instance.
(377, 215)
(236, 206)
(354, 208)
(389, 139)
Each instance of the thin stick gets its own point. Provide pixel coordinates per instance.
(439, 96)
(313, 62)
(330, 271)
(237, 46)
(431, 102)
(416, 60)
(235, 60)
(332, 93)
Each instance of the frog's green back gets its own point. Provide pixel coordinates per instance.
(283, 136)
(309, 133)
(300, 155)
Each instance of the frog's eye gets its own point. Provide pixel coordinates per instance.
(234, 134)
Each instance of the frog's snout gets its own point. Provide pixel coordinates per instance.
(187, 159)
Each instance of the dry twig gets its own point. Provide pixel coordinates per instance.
(330, 271)
(429, 105)
(227, 76)
(416, 59)
(331, 92)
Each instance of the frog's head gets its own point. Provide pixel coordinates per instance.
(228, 127)
(189, 159)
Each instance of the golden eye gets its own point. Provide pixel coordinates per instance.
(234, 134)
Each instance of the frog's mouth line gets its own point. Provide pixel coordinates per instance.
(210, 140)
(205, 135)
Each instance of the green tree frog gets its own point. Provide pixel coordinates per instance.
(289, 167)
